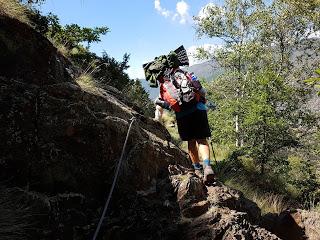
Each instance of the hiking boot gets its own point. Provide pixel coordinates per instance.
(190, 171)
(208, 176)
(199, 173)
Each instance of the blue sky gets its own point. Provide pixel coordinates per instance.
(143, 28)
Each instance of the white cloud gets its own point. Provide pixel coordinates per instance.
(135, 72)
(192, 52)
(314, 35)
(181, 13)
(164, 12)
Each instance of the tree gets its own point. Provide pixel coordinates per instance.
(270, 118)
(235, 24)
(73, 35)
(105, 70)
(32, 1)
(109, 71)
(315, 81)
(138, 96)
(255, 94)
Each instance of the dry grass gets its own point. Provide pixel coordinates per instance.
(86, 81)
(13, 9)
(61, 48)
(270, 203)
(316, 208)
(267, 202)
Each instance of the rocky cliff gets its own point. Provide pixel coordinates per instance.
(60, 145)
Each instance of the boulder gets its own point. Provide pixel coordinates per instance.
(214, 212)
(308, 221)
(63, 141)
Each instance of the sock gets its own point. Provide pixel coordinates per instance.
(206, 162)
(197, 166)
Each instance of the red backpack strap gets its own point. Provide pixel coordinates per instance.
(170, 94)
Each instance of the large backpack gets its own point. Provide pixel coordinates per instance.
(156, 69)
(179, 90)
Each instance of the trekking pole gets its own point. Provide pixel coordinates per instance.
(213, 152)
(114, 182)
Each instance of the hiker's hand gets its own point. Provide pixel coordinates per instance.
(162, 104)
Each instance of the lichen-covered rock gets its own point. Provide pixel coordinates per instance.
(60, 138)
(216, 213)
(309, 221)
(28, 56)
(64, 141)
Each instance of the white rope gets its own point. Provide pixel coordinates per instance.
(114, 182)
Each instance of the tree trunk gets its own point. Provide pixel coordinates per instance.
(237, 130)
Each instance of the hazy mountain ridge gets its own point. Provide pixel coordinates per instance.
(208, 70)
(305, 58)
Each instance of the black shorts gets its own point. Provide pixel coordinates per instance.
(194, 126)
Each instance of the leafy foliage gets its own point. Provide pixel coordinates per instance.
(268, 119)
(72, 35)
(261, 103)
(32, 1)
(315, 80)
(139, 97)
(112, 72)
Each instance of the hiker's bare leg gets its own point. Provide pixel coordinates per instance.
(193, 151)
(208, 174)
(204, 149)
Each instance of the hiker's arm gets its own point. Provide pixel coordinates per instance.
(197, 84)
(202, 92)
(160, 102)
(158, 113)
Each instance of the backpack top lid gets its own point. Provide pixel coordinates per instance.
(155, 70)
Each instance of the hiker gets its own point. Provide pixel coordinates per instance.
(193, 127)
(182, 92)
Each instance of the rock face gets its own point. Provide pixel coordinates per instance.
(60, 142)
(214, 212)
(309, 222)
(26, 54)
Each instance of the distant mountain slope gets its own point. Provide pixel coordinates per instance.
(208, 70)
(153, 92)
(305, 60)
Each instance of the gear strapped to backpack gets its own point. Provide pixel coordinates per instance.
(179, 90)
